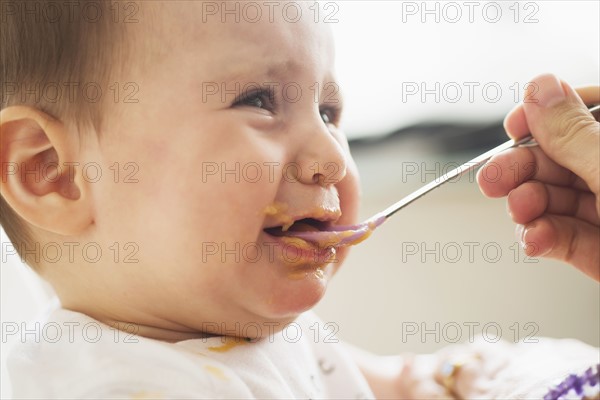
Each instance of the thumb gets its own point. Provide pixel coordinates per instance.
(564, 128)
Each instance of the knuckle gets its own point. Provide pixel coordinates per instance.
(572, 123)
(573, 244)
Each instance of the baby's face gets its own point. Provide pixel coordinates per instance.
(235, 132)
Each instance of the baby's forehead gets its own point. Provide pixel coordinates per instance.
(231, 39)
(209, 25)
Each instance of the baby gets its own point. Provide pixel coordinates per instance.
(159, 194)
(151, 177)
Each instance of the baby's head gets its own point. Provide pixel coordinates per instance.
(180, 132)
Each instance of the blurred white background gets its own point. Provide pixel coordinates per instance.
(384, 48)
(391, 285)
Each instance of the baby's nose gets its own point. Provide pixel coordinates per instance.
(321, 158)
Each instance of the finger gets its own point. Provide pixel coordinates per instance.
(532, 199)
(511, 168)
(564, 128)
(566, 239)
(515, 123)
(589, 94)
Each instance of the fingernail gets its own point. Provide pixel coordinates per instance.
(524, 242)
(519, 230)
(528, 243)
(546, 91)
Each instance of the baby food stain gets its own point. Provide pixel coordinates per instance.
(326, 367)
(230, 343)
(319, 274)
(297, 243)
(277, 211)
(297, 275)
(216, 372)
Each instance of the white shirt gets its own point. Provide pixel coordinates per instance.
(70, 355)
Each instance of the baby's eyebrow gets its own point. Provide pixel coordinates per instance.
(283, 68)
(278, 70)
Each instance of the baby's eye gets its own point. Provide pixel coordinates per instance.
(259, 99)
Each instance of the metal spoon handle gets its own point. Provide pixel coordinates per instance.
(466, 167)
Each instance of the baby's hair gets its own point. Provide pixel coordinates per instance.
(48, 49)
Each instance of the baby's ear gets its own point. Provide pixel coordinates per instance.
(41, 176)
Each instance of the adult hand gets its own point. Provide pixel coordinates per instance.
(553, 190)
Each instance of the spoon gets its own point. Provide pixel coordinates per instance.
(340, 236)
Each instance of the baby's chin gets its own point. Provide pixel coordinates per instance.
(299, 292)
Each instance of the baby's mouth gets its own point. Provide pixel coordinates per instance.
(324, 233)
(301, 225)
